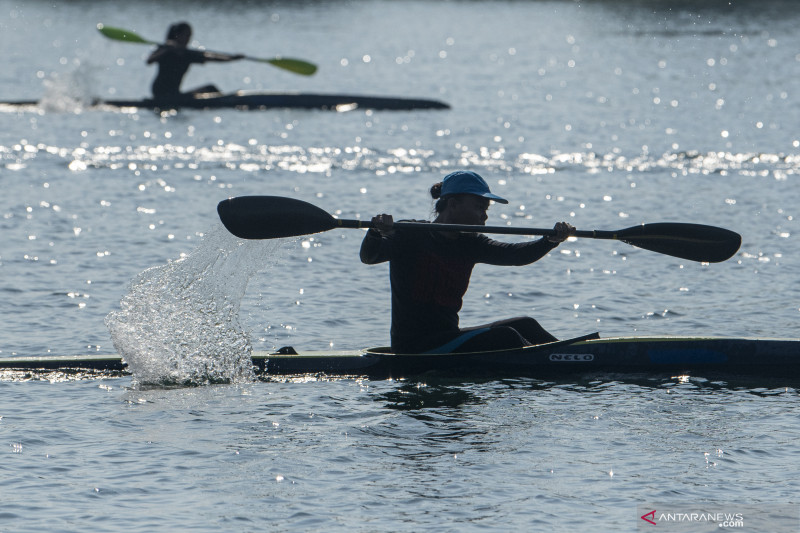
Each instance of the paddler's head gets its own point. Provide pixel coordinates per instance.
(463, 197)
(179, 33)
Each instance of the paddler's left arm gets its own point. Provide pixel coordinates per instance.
(563, 231)
(523, 253)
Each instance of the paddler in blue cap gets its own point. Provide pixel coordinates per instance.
(430, 272)
(174, 58)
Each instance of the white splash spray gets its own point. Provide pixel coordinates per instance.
(69, 92)
(179, 323)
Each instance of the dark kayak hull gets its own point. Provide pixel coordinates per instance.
(263, 101)
(694, 356)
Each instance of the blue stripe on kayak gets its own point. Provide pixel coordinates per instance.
(686, 356)
(458, 341)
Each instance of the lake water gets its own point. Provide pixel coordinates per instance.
(605, 113)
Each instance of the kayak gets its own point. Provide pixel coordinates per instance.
(699, 356)
(244, 100)
(588, 354)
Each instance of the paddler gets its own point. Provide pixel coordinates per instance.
(430, 271)
(173, 58)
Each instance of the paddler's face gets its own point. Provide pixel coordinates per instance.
(468, 209)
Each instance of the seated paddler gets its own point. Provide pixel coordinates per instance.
(429, 272)
(174, 58)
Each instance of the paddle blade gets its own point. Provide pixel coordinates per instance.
(118, 34)
(298, 66)
(272, 217)
(696, 242)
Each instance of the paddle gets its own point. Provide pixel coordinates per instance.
(297, 66)
(272, 217)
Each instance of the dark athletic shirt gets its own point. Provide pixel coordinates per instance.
(429, 275)
(173, 63)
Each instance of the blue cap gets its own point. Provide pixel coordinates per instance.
(468, 182)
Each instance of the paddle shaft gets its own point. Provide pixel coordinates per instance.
(689, 241)
(507, 230)
(298, 66)
(274, 217)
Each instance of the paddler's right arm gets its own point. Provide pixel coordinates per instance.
(158, 53)
(376, 246)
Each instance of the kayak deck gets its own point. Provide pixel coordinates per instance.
(699, 356)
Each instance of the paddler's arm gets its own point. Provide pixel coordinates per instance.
(374, 247)
(216, 56)
(193, 56)
(524, 253)
(158, 53)
(563, 231)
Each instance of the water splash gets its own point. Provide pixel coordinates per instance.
(178, 324)
(68, 92)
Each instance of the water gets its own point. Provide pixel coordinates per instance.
(606, 114)
(385, 456)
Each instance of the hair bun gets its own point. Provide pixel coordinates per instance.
(436, 190)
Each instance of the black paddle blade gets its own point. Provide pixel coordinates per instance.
(696, 242)
(272, 217)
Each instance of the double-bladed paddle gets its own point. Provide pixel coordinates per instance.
(273, 217)
(298, 66)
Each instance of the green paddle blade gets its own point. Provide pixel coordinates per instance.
(118, 34)
(298, 66)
